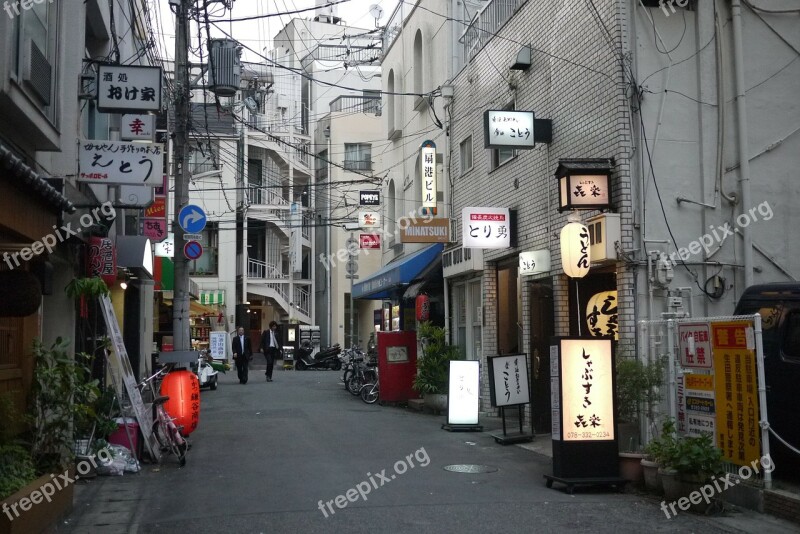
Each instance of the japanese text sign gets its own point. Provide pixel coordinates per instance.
(508, 129)
(463, 401)
(587, 394)
(486, 227)
(699, 405)
(428, 173)
(138, 128)
(735, 383)
(102, 259)
(120, 162)
(694, 342)
(154, 228)
(128, 88)
(508, 380)
(218, 342)
(534, 262)
(601, 314)
(369, 241)
(589, 191)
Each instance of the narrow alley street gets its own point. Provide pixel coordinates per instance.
(267, 454)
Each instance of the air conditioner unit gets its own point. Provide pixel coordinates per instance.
(37, 72)
(604, 232)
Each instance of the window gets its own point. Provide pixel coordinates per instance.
(357, 156)
(391, 214)
(390, 86)
(206, 265)
(465, 149)
(791, 339)
(418, 71)
(503, 155)
(36, 30)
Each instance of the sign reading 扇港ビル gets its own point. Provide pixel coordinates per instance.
(120, 162)
(508, 129)
(128, 88)
(433, 230)
(735, 383)
(486, 227)
(428, 173)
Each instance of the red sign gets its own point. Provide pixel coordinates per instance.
(155, 229)
(102, 259)
(371, 241)
(158, 208)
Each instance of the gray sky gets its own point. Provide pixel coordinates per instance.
(258, 34)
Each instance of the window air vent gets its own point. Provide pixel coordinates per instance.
(38, 73)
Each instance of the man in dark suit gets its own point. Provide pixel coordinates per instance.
(271, 346)
(242, 354)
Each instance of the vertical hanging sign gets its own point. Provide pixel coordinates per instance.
(428, 175)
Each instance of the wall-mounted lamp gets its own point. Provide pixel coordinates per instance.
(584, 184)
(123, 285)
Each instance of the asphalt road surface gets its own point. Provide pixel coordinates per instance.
(300, 454)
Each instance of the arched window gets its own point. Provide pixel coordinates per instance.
(418, 65)
(391, 214)
(390, 89)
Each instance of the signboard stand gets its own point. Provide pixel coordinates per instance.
(463, 396)
(584, 454)
(508, 385)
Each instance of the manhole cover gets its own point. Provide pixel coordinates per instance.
(470, 468)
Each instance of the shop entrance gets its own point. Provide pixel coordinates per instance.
(509, 327)
(542, 330)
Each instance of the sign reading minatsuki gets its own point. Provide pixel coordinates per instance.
(486, 227)
(119, 162)
(128, 88)
(424, 231)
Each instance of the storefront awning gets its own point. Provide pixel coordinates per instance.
(398, 273)
(212, 297)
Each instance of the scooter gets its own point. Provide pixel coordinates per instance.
(325, 359)
(206, 373)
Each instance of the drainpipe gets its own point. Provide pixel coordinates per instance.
(741, 112)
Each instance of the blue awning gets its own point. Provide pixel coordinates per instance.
(400, 272)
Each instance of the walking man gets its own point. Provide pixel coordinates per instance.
(242, 354)
(271, 346)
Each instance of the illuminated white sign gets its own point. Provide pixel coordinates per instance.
(464, 393)
(486, 228)
(587, 394)
(601, 314)
(166, 248)
(369, 218)
(585, 191)
(534, 262)
(428, 174)
(509, 380)
(508, 129)
(138, 128)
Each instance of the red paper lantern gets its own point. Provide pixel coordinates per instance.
(183, 390)
(423, 307)
(101, 260)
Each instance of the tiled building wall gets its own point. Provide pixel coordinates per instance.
(576, 79)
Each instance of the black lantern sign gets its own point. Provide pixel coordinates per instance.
(584, 184)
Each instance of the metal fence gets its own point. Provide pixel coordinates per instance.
(665, 339)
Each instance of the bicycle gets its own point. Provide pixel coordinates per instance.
(362, 374)
(167, 433)
(371, 392)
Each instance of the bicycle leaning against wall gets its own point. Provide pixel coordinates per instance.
(166, 431)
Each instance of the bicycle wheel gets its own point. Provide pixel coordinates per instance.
(165, 441)
(355, 383)
(369, 393)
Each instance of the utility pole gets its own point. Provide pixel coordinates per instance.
(180, 302)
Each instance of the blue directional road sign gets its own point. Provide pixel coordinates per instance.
(192, 219)
(192, 250)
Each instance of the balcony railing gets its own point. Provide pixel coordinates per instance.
(266, 196)
(302, 299)
(370, 105)
(263, 270)
(395, 24)
(485, 24)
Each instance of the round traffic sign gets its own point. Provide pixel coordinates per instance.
(351, 267)
(192, 250)
(192, 219)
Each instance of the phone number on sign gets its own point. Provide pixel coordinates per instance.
(588, 435)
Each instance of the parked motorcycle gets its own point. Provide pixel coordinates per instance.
(325, 359)
(206, 373)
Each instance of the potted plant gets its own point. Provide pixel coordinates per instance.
(637, 387)
(62, 396)
(687, 463)
(432, 367)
